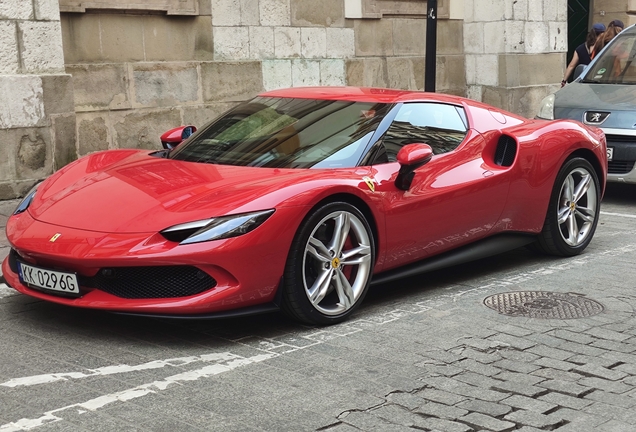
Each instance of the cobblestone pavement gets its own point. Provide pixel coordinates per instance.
(422, 354)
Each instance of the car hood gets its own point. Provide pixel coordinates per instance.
(576, 98)
(124, 191)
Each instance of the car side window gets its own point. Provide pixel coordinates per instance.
(442, 126)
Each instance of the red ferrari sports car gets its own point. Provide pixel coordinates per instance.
(300, 199)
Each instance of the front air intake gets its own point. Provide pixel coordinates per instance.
(506, 151)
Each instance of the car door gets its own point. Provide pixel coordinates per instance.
(454, 199)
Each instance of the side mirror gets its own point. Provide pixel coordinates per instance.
(174, 137)
(411, 157)
(579, 70)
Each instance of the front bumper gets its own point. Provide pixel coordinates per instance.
(240, 272)
(622, 167)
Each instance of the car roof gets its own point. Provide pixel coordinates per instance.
(362, 94)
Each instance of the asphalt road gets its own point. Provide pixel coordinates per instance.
(422, 354)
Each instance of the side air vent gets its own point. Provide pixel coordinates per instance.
(506, 151)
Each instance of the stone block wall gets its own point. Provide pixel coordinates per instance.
(607, 10)
(515, 51)
(137, 74)
(37, 115)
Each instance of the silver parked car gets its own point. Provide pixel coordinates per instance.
(604, 95)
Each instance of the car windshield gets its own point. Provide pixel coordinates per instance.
(615, 64)
(287, 133)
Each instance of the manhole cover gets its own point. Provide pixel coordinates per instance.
(541, 304)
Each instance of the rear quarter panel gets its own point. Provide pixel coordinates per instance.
(543, 147)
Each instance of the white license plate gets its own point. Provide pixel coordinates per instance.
(48, 279)
(610, 153)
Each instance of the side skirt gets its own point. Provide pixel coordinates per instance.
(482, 249)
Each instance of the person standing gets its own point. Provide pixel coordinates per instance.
(582, 53)
(614, 28)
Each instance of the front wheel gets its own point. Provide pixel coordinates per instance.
(329, 266)
(574, 210)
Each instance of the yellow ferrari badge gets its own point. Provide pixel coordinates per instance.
(370, 182)
(55, 237)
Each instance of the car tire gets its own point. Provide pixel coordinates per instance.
(573, 211)
(329, 266)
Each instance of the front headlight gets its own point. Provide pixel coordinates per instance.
(26, 201)
(216, 228)
(547, 108)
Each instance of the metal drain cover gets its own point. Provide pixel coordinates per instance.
(542, 304)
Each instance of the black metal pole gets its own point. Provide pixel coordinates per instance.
(431, 46)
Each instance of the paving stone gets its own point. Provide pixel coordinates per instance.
(512, 330)
(480, 356)
(622, 401)
(532, 418)
(566, 387)
(520, 356)
(546, 339)
(554, 364)
(489, 408)
(519, 378)
(600, 372)
(442, 425)
(437, 370)
(613, 346)
(578, 417)
(628, 368)
(407, 400)
(459, 388)
(581, 348)
(444, 356)
(440, 396)
(477, 379)
(550, 352)
(398, 415)
(519, 388)
(615, 426)
(477, 367)
(341, 427)
(630, 381)
(601, 384)
(435, 409)
(516, 366)
(573, 336)
(369, 422)
(611, 412)
(603, 333)
(528, 429)
(487, 422)
(578, 427)
(616, 357)
(557, 374)
(565, 400)
(513, 341)
(530, 404)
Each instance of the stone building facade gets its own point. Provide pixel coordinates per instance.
(82, 76)
(37, 112)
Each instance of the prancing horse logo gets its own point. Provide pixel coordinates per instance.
(55, 237)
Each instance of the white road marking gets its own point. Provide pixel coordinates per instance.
(271, 348)
(5, 291)
(618, 214)
(110, 370)
(140, 391)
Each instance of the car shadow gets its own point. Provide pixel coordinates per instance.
(620, 193)
(82, 325)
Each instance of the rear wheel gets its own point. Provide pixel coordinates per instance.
(574, 210)
(329, 266)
